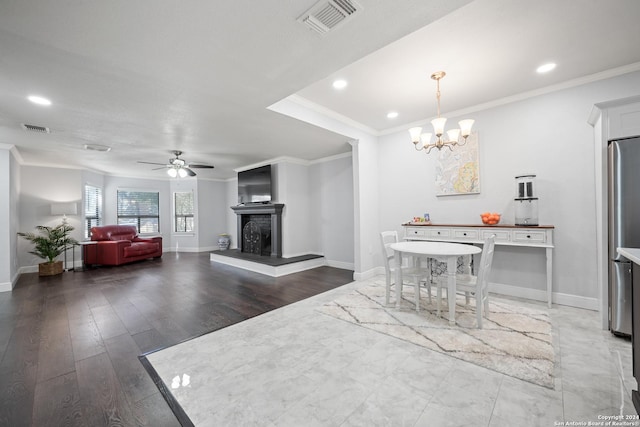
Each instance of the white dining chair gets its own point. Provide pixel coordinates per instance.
(411, 275)
(476, 285)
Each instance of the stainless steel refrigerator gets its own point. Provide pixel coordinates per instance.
(624, 227)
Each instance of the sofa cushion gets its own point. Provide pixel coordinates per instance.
(140, 248)
(113, 232)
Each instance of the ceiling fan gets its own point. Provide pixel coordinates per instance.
(179, 167)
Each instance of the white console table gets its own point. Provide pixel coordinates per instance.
(540, 236)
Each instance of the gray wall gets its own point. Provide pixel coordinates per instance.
(546, 135)
(212, 213)
(322, 190)
(318, 216)
(39, 188)
(14, 220)
(331, 197)
(6, 251)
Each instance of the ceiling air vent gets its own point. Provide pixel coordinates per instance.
(326, 15)
(34, 128)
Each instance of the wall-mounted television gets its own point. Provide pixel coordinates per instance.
(254, 185)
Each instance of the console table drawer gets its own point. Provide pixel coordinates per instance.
(464, 234)
(442, 233)
(415, 232)
(529, 236)
(501, 235)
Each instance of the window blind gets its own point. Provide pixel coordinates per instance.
(139, 208)
(92, 208)
(183, 208)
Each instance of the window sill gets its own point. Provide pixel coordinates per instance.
(177, 234)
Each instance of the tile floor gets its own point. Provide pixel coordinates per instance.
(296, 366)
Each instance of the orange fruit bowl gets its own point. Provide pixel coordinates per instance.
(490, 218)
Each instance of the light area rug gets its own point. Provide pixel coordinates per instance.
(515, 341)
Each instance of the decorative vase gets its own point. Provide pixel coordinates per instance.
(223, 242)
(50, 268)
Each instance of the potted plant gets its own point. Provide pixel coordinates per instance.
(50, 242)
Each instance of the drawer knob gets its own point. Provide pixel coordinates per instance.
(528, 236)
(438, 232)
(464, 234)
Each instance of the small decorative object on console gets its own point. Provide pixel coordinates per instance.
(489, 218)
(421, 220)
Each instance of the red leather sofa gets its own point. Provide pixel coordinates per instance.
(120, 244)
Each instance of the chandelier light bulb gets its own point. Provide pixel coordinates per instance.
(172, 172)
(182, 173)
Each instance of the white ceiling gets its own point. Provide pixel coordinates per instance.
(147, 77)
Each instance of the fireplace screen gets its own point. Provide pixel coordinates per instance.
(252, 238)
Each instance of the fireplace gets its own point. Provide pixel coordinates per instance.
(260, 229)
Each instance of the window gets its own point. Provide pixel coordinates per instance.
(92, 208)
(183, 208)
(139, 208)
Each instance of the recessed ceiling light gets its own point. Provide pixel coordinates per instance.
(339, 84)
(392, 114)
(39, 100)
(545, 68)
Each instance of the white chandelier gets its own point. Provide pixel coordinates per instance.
(422, 141)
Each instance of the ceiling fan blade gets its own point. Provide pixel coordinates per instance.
(157, 169)
(189, 172)
(152, 163)
(201, 166)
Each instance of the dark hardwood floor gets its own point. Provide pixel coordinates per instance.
(69, 344)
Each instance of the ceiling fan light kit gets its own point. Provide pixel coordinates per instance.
(177, 167)
(422, 141)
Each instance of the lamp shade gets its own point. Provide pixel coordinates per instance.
(415, 134)
(438, 125)
(182, 173)
(425, 138)
(453, 134)
(64, 209)
(172, 172)
(465, 127)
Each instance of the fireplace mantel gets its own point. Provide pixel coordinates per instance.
(275, 212)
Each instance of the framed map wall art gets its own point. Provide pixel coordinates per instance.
(458, 171)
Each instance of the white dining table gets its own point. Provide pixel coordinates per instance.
(441, 251)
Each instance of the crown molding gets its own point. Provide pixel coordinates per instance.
(614, 72)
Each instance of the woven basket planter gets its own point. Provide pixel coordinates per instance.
(50, 269)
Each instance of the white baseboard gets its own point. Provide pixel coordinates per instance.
(6, 287)
(514, 291)
(368, 274)
(541, 295)
(189, 249)
(340, 264)
(576, 301)
(288, 255)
